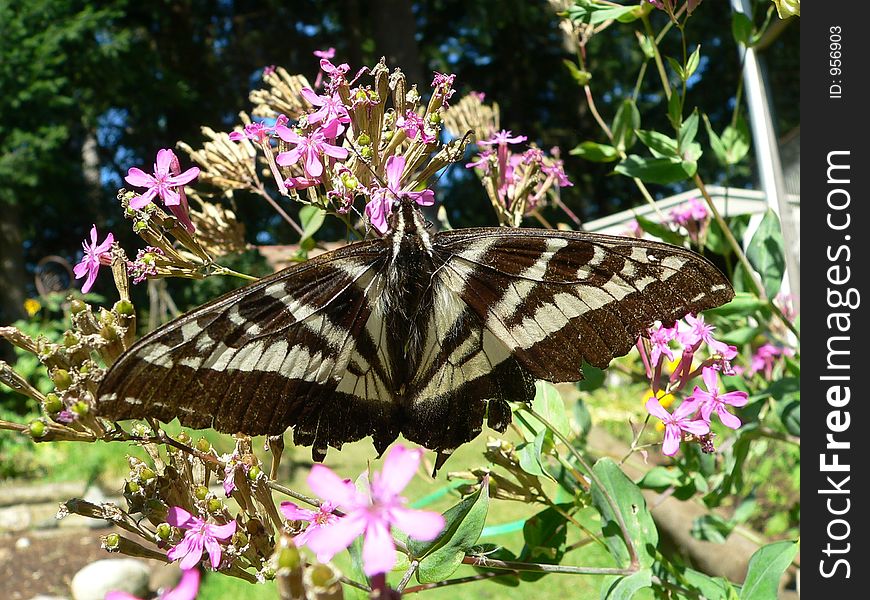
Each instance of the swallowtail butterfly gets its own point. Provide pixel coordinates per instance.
(419, 334)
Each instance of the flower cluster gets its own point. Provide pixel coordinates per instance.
(693, 415)
(376, 143)
(693, 217)
(517, 182)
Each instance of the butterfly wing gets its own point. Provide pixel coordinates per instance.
(556, 299)
(297, 348)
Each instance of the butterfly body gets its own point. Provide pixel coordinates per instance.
(422, 334)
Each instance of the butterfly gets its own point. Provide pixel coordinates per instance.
(421, 334)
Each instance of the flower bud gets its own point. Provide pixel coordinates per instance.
(37, 429)
(163, 531)
(254, 472)
(112, 542)
(80, 408)
(52, 404)
(363, 139)
(61, 379)
(131, 487)
(77, 306)
(124, 307)
(240, 539)
(70, 339)
(203, 445)
(214, 505)
(146, 474)
(288, 557)
(201, 492)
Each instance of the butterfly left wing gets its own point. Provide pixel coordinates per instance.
(298, 348)
(556, 299)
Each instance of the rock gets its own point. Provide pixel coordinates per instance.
(15, 518)
(22, 543)
(95, 580)
(44, 597)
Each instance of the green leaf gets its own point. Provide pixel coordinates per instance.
(581, 77)
(703, 586)
(741, 28)
(631, 506)
(311, 218)
(549, 404)
(742, 304)
(463, 524)
(766, 253)
(647, 46)
(593, 378)
(660, 145)
(654, 170)
(591, 13)
(624, 588)
(736, 140)
(711, 528)
(626, 121)
(693, 62)
(745, 510)
(675, 111)
(790, 416)
(661, 478)
(545, 535)
(739, 336)
(766, 567)
(716, 143)
(677, 68)
(660, 230)
(529, 454)
(687, 134)
(595, 152)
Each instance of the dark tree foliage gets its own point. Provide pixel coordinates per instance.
(134, 77)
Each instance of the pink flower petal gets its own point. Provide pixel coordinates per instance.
(292, 512)
(728, 420)
(735, 398)
(192, 558)
(710, 379)
(178, 517)
(164, 160)
(214, 551)
(288, 135)
(328, 541)
(291, 157)
(140, 202)
(313, 166)
(311, 97)
(170, 197)
(696, 427)
(424, 525)
(81, 269)
(400, 466)
(184, 178)
(330, 486)
(379, 550)
(672, 440)
(139, 178)
(106, 245)
(222, 532)
(187, 587)
(655, 409)
(93, 269)
(335, 151)
(423, 198)
(395, 167)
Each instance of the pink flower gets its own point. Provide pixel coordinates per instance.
(330, 108)
(95, 255)
(259, 132)
(412, 124)
(698, 331)
(712, 401)
(660, 338)
(162, 183)
(677, 423)
(443, 84)
(383, 198)
(693, 210)
(764, 359)
(322, 517)
(198, 535)
(310, 148)
(328, 53)
(187, 589)
(372, 514)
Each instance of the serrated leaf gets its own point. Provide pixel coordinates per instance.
(595, 152)
(766, 567)
(463, 524)
(653, 170)
(626, 121)
(631, 506)
(766, 253)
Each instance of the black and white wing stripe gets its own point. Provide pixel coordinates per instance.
(556, 299)
(298, 348)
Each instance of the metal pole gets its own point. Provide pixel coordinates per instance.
(767, 156)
